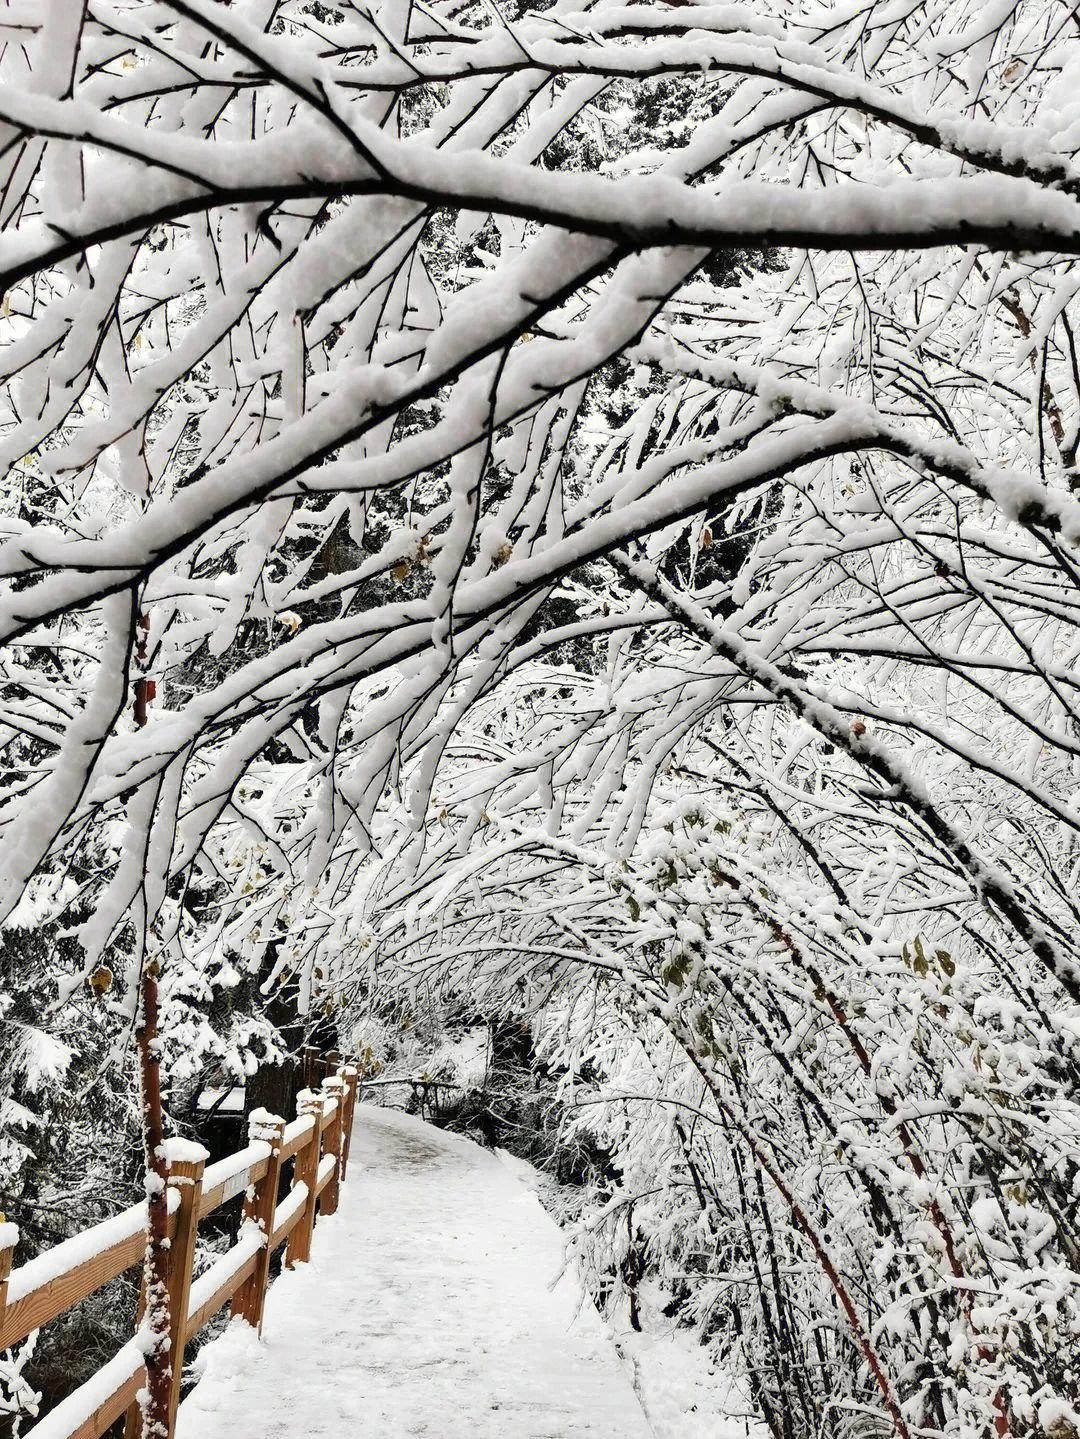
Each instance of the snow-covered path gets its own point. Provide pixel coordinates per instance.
(425, 1312)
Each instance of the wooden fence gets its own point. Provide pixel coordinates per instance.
(317, 1142)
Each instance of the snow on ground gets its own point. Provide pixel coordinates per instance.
(426, 1313)
(684, 1392)
(685, 1395)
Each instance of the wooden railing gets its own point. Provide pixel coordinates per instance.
(317, 1142)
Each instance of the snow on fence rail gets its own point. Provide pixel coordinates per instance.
(317, 1142)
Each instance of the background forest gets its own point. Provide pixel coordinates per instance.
(538, 548)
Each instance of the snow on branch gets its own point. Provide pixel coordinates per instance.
(575, 512)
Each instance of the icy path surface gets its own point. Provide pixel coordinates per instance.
(425, 1312)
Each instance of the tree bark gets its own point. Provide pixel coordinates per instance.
(156, 1316)
(155, 1323)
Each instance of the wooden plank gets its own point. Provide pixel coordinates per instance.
(297, 1135)
(48, 1302)
(102, 1420)
(327, 1173)
(229, 1188)
(221, 1295)
(73, 1420)
(285, 1228)
(106, 1415)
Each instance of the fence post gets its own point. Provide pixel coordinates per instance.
(334, 1090)
(260, 1203)
(348, 1074)
(9, 1237)
(185, 1174)
(306, 1172)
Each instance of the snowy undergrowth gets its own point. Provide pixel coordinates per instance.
(684, 1392)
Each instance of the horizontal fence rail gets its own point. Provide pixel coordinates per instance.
(35, 1294)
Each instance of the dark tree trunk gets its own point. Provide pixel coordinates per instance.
(156, 1261)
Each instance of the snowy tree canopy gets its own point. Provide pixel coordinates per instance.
(578, 508)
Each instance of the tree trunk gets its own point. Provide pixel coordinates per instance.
(156, 1262)
(156, 1317)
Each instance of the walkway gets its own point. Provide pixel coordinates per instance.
(425, 1314)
